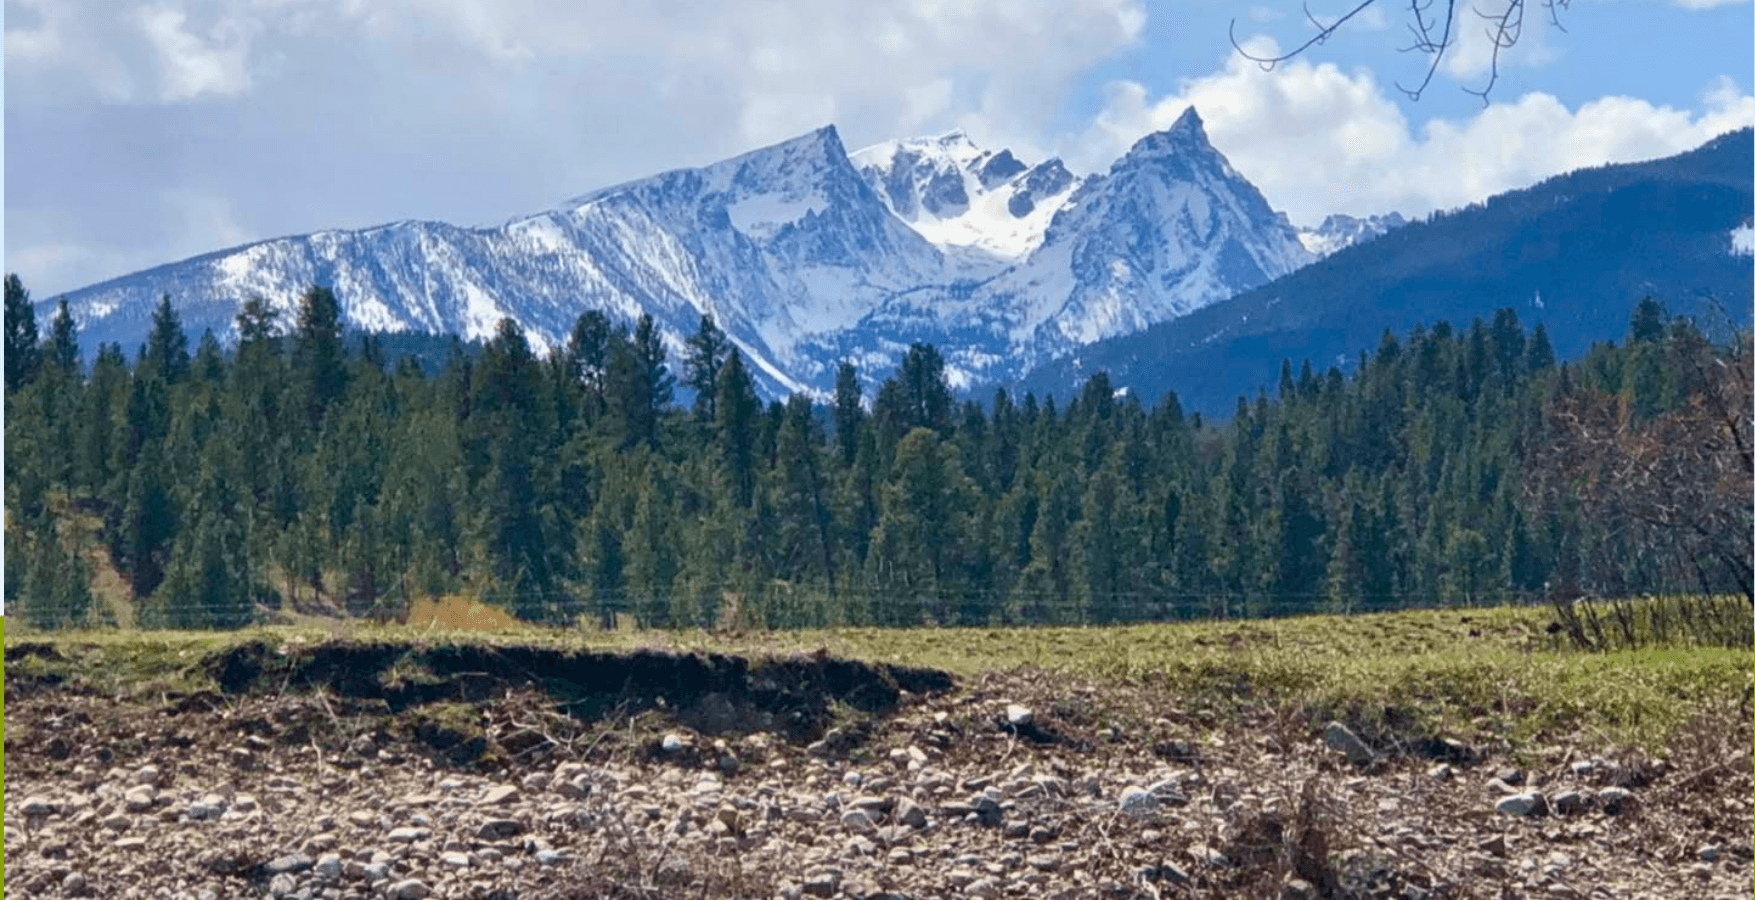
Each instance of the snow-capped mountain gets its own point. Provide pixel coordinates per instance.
(988, 209)
(1171, 228)
(1340, 231)
(803, 254)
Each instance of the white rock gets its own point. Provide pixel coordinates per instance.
(1018, 716)
(1341, 738)
(328, 867)
(1615, 799)
(140, 798)
(408, 889)
(1137, 801)
(858, 820)
(1530, 804)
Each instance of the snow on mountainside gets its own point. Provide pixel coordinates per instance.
(1171, 228)
(991, 206)
(804, 255)
(1340, 231)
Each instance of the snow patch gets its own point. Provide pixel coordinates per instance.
(1743, 239)
(763, 215)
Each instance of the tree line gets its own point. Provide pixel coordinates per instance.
(303, 469)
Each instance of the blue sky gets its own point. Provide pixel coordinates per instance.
(142, 133)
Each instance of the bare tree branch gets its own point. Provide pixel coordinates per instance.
(1433, 35)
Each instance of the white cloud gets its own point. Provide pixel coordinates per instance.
(366, 105)
(1317, 140)
(1470, 55)
(192, 66)
(1708, 4)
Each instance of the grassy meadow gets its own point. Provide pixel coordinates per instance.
(1506, 675)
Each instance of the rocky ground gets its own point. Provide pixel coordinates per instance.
(1013, 785)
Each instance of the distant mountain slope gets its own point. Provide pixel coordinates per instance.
(804, 255)
(1576, 252)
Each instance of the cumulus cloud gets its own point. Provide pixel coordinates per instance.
(1317, 139)
(1470, 55)
(510, 105)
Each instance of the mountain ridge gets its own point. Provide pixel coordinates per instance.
(794, 251)
(1574, 252)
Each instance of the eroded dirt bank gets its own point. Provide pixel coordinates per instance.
(345, 770)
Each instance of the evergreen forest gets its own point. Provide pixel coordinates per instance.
(310, 470)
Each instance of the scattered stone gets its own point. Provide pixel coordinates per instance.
(499, 795)
(291, 863)
(408, 889)
(1709, 853)
(455, 859)
(37, 807)
(1298, 889)
(408, 834)
(1530, 804)
(1018, 716)
(328, 867)
(1501, 787)
(140, 798)
(1340, 738)
(1615, 800)
(499, 829)
(75, 884)
(1440, 772)
(858, 821)
(1511, 776)
(673, 743)
(910, 814)
(1138, 802)
(1569, 803)
(1208, 856)
(821, 884)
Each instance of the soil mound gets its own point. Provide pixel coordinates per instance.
(712, 692)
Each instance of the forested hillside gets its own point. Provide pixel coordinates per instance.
(1573, 252)
(304, 472)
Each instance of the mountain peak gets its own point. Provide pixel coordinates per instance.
(1190, 123)
(1186, 134)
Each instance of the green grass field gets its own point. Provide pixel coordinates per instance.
(1495, 674)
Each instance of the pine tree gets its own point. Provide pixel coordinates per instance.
(1648, 321)
(148, 524)
(319, 361)
(166, 355)
(587, 359)
(1540, 352)
(62, 350)
(738, 413)
(640, 384)
(650, 550)
(849, 412)
(23, 356)
(1105, 539)
(706, 354)
(805, 526)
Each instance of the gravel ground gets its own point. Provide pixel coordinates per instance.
(1016, 785)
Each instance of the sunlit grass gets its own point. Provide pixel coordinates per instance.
(1494, 672)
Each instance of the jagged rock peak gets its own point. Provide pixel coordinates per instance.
(1186, 133)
